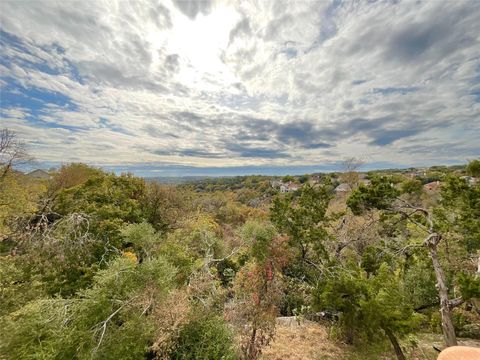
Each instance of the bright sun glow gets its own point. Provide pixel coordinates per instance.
(200, 43)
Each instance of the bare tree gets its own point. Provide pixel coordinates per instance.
(350, 168)
(12, 152)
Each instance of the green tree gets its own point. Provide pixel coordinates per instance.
(114, 319)
(304, 220)
(109, 200)
(206, 336)
(370, 307)
(434, 223)
(473, 168)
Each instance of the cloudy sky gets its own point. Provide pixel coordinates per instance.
(191, 88)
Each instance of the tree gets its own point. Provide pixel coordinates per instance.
(111, 201)
(288, 178)
(164, 206)
(304, 220)
(382, 195)
(257, 288)
(370, 307)
(12, 152)
(303, 179)
(17, 193)
(206, 336)
(114, 319)
(350, 172)
(68, 176)
(473, 168)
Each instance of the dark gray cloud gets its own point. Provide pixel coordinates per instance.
(188, 152)
(192, 8)
(443, 150)
(247, 151)
(395, 90)
(106, 74)
(242, 28)
(439, 36)
(320, 145)
(160, 15)
(386, 137)
(172, 62)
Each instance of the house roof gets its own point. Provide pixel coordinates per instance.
(432, 185)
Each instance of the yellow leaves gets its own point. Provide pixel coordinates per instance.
(130, 256)
(18, 196)
(203, 223)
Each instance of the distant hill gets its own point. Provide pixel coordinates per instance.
(175, 179)
(39, 174)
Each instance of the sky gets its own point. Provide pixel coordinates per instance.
(178, 88)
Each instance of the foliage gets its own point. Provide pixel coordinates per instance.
(164, 206)
(61, 258)
(70, 175)
(95, 265)
(141, 238)
(463, 201)
(206, 336)
(107, 321)
(420, 281)
(257, 289)
(473, 168)
(18, 198)
(110, 201)
(369, 306)
(378, 195)
(303, 219)
(469, 285)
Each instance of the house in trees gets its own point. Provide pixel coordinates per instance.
(432, 186)
(285, 187)
(470, 180)
(276, 184)
(289, 187)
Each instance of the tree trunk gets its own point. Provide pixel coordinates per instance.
(447, 325)
(396, 345)
(251, 352)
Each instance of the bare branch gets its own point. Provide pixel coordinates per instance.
(12, 152)
(103, 325)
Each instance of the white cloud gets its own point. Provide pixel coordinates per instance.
(248, 83)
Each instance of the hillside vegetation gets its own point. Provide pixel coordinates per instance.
(102, 266)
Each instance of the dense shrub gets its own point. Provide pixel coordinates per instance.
(205, 337)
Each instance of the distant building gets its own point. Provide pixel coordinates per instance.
(289, 187)
(315, 179)
(39, 174)
(470, 180)
(412, 174)
(276, 183)
(432, 186)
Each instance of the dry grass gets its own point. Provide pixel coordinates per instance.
(303, 342)
(310, 341)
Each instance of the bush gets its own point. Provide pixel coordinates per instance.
(205, 337)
